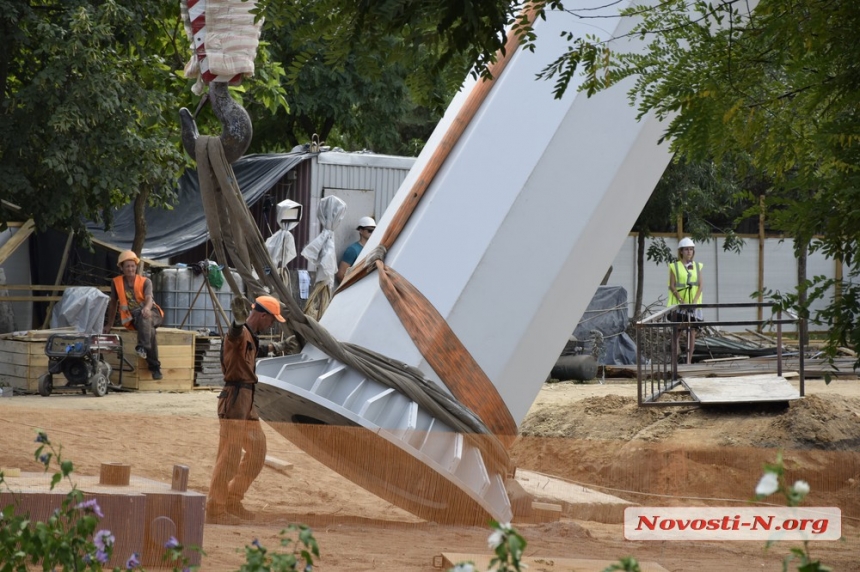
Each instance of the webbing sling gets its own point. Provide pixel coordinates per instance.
(234, 232)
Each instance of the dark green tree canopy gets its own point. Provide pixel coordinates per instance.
(83, 99)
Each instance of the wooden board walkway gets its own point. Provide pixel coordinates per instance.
(767, 387)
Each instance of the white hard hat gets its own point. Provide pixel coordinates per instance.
(366, 221)
(686, 242)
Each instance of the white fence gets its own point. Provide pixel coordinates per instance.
(728, 277)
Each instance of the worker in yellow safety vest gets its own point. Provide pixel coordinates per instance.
(131, 293)
(685, 287)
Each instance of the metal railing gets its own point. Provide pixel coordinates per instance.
(657, 346)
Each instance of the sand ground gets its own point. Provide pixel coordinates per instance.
(594, 435)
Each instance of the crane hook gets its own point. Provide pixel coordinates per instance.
(236, 126)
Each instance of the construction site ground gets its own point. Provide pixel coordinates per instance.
(590, 435)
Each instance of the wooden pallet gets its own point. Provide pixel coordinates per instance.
(23, 360)
(175, 352)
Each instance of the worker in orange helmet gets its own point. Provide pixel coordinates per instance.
(239, 423)
(131, 293)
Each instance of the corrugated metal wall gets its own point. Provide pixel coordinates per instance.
(728, 277)
(382, 174)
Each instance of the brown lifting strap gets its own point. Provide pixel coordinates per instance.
(451, 361)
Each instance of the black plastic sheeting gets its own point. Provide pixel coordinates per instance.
(606, 314)
(171, 232)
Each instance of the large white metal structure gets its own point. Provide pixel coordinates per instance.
(509, 244)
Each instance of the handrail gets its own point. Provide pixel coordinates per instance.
(661, 333)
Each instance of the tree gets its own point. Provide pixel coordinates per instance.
(776, 90)
(82, 102)
(377, 90)
(88, 109)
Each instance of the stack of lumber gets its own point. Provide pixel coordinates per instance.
(23, 358)
(207, 362)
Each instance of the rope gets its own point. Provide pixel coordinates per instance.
(234, 233)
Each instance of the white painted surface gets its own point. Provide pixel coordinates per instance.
(504, 243)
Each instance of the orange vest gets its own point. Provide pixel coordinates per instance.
(124, 313)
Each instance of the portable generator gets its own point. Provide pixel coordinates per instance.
(80, 358)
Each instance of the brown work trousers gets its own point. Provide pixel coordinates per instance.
(234, 472)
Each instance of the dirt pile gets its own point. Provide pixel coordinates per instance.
(826, 422)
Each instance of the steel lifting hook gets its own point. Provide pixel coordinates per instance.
(236, 132)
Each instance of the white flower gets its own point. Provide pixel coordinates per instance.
(463, 567)
(768, 485)
(495, 539)
(801, 487)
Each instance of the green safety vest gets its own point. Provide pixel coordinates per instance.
(686, 283)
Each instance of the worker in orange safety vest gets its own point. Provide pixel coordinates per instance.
(131, 293)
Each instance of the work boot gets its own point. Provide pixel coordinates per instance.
(235, 508)
(141, 351)
(157, 374)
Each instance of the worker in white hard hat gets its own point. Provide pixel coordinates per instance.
(366, 226)
(131, 293)
(685, 287)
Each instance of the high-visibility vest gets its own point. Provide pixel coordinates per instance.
(124, 313)
(686, 283)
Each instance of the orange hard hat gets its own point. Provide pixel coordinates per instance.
(269, 305)
(127, 255)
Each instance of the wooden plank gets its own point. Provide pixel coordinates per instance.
(23, 371)
(60, 271)
(22, 348)
(733, 358)
(148, 261)
(741, 389)
(166, 337)
(278, 464)
(545, 563)
(43, 288)
(16, 240)
(30, 298)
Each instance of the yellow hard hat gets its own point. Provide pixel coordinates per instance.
(127, 255)
(269, 305)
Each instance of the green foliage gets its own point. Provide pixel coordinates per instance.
(508, 546)
(839, 316)
(473, 30)
(300, 557)
(70, 539)
(379, 90)
(67, 540)
(774, 92)
(82, 109)
(626, 564)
